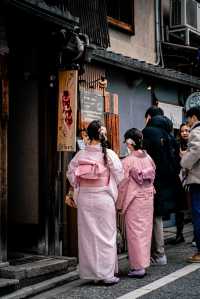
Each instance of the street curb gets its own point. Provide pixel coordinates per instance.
(49, 284)
(43, 286)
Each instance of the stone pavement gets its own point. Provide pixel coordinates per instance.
(65, 279)
(177, 256)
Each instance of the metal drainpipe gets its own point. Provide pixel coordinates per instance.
(158, 30)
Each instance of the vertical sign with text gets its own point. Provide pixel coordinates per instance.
(67, 111)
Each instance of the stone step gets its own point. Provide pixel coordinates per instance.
(31, 290)
(42, 268)
(8, 285)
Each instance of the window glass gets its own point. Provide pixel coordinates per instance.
(120, 10)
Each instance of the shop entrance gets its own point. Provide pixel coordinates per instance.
(23, 165)
(24, 146)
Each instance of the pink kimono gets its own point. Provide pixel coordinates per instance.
(135, 199)
(95, 194)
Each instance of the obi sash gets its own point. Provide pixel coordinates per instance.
(142, 176)
(90, 173)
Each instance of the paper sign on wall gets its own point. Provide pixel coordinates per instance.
(173, 112)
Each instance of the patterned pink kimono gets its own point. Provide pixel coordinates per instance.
(135, 199)
(95, 194)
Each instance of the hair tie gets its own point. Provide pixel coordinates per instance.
(130, 141)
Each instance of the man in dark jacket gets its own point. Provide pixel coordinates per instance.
(160, 145)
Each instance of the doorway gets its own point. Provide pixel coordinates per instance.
(23, 165)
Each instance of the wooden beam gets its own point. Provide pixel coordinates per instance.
(121, 25)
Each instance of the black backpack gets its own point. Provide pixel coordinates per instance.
(164, 150)
(170, 155)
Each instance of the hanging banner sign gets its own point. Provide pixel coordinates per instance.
(67, 111)
(173, 112)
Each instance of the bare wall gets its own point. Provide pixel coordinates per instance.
(134, 99)
(141, 45)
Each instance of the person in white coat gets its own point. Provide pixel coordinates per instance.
(191, 162)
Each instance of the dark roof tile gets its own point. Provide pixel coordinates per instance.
(148, 69)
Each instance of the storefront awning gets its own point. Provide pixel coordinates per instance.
(145, 68)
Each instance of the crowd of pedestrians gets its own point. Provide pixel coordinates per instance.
(160, 175)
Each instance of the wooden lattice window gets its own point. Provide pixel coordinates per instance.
(121, 14)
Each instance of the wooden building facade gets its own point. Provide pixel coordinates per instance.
(37, 40)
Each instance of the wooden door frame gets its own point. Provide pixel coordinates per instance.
(4, 114)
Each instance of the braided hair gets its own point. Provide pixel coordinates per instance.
(94, 133)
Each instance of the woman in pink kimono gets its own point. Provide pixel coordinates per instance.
(95, 173)
(135, 200)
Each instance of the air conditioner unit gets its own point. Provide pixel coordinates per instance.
(185, 13)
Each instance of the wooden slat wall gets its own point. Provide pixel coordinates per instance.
(90, 79)
(112, 120)
(93, 19)
(92, 15)
(112, 125)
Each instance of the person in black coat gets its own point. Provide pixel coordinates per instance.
(163, 148)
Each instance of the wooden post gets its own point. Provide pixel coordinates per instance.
(3, 168)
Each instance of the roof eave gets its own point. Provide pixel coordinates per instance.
(144, 68)
(66, 20)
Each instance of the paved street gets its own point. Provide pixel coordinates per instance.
(178, 279)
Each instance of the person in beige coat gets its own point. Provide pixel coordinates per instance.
(191, 162)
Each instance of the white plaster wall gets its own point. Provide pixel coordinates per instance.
(141, 45)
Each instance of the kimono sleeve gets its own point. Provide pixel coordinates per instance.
(126, 167)
(71, 170)
(115, 166)
(122, 188)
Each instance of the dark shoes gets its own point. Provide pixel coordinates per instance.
(179, 239)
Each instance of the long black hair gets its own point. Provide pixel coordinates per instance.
(183, 142)
(94, 133)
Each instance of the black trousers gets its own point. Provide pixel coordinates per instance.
(179, 222)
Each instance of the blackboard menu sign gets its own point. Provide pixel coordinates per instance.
(91, 106)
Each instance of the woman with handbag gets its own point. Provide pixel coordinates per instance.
(95, 173)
